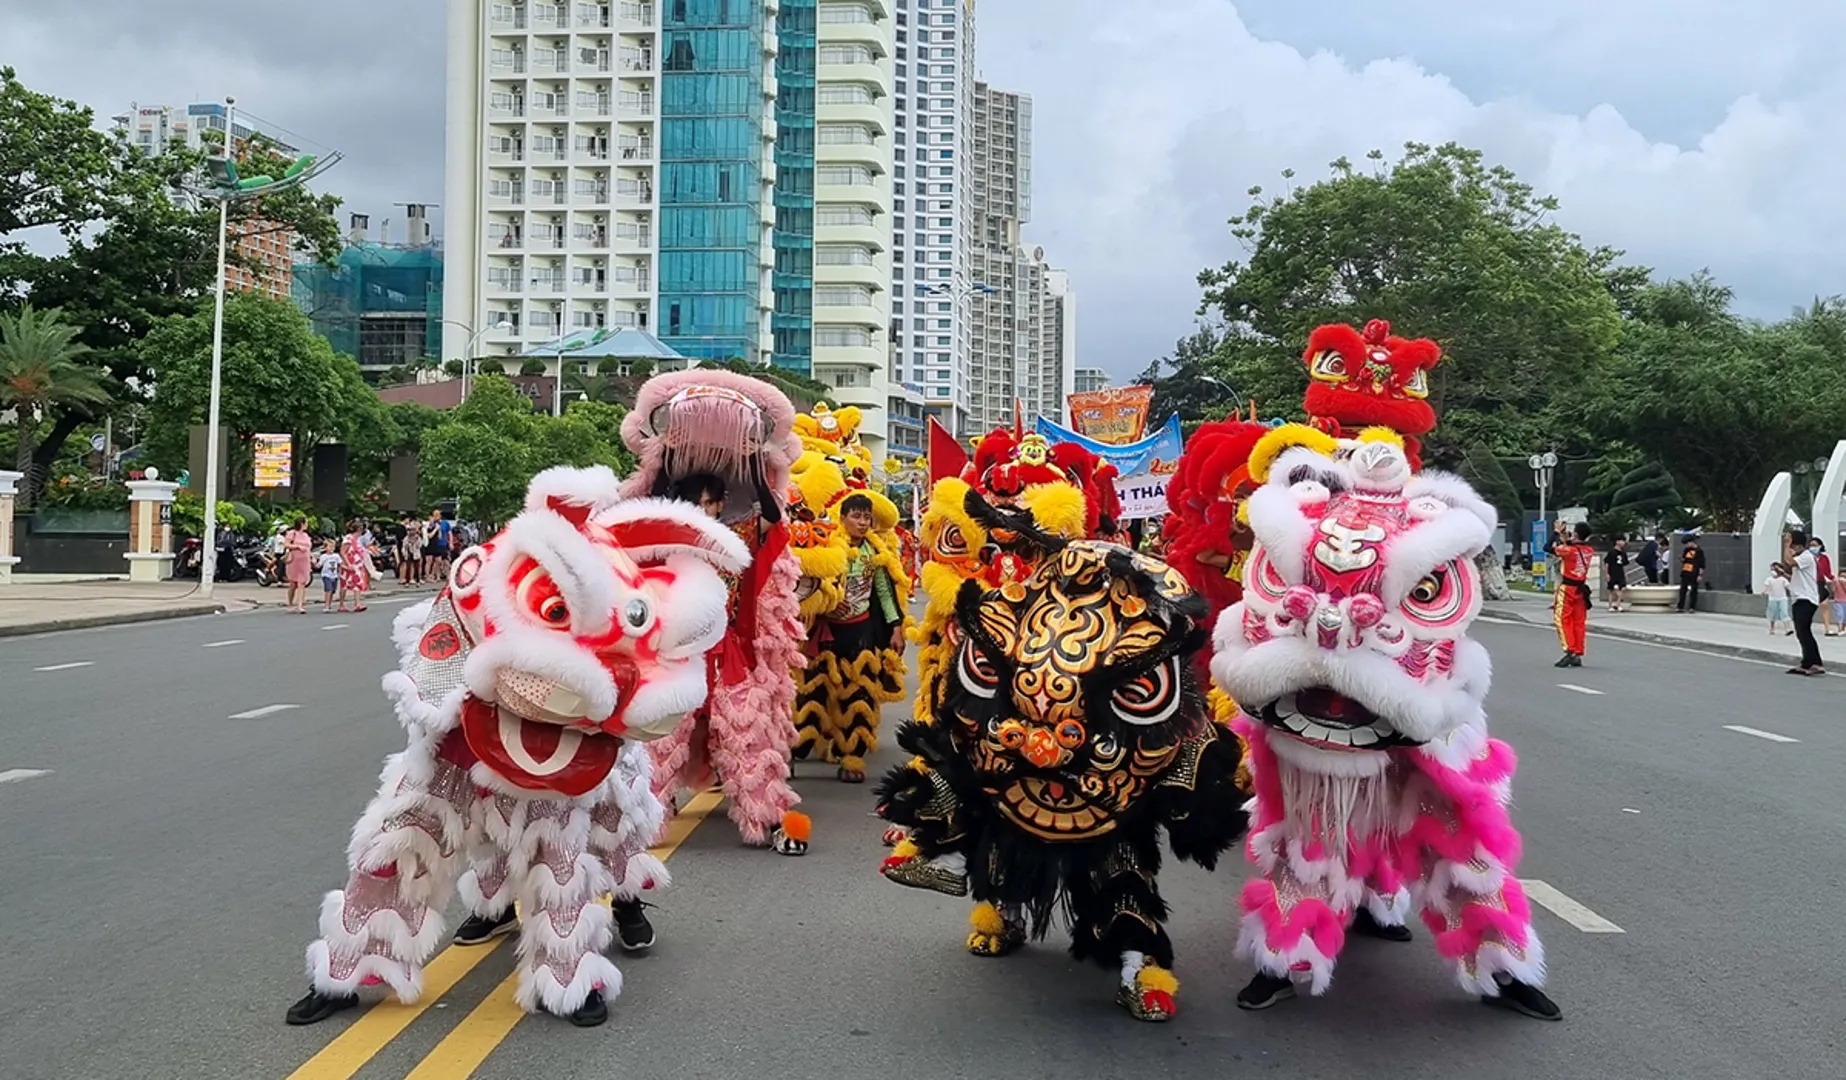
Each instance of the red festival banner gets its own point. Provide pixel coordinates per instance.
(1116, 415)
(946, 456)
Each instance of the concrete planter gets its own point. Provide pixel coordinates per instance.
(1656, 598)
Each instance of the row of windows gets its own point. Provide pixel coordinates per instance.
(843, 176)
(842, 296)
(726, 138)
(709, 182)
(710, 271)
(713, 227)
(715, 94)
(712, 50)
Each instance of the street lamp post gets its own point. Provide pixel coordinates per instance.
(1542, 467)
(227, 187)
(475, 336)
(958, 292)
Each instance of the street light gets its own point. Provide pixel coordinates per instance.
(1542, 466)
(228, 187)
(468, 348)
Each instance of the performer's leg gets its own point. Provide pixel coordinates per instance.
(855, 705)
(488, 895)
(558, 878)
(995, 930)
(1117, 919)
(812, 698)
(1290, 925)
(402, 858)
(1576, 625)
(621, 827)
(749, 746)
(1386, 905)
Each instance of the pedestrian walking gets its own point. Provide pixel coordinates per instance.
(1615, 573)
(1823, 577)
(1775, 589)
(1804, 590)
(298, 547)
(355, 569)
(1691, 573)
(436, 535)
(1570, 604)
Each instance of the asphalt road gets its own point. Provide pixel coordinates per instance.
(161, 864)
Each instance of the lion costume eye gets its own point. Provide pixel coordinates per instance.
(977, 675)
(951, 544)
(1151, 697)
(1417, 386)
(1328, 366)
(1438, 598)
(554, 611)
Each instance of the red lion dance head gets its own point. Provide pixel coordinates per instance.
(1370, 379)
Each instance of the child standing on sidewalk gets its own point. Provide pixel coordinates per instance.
(1776, 589)
(329, 573)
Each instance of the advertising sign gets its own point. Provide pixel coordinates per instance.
(1541, 533)
(275, 460)
(1115, 415)
(1143, 466)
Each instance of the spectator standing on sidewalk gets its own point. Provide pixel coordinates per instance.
(1823, 577)
(1837, 588)
(1615, 573)
(298, 548)
(1650, 560)
(1691, 573)
(1775, 588)
(1804, 590)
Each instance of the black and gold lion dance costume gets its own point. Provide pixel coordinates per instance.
(1067, 732)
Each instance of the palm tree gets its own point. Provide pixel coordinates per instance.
(41, 369)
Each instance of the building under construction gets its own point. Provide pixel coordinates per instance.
(381, 303)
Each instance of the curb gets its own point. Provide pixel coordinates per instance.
(127, 618)
(1772, 656)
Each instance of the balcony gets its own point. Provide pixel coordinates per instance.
(634, 16)
(501, 69)
(506, 110)
(515, 197)
(514, 156)
(547, 197)
(635, 62)
(591, 107)
(512, 20)
(550, 17)
(623, 279)
(870, 276)
(631, 235)
(874, 156)
(633, 103)
(633, 193)
(596, 196)
(590, 240)
(878, 35)
(503, 286)
(541, 286)
(874, 237)
(593, 16)
(873, 116)
(636, 152)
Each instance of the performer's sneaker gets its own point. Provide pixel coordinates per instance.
(919, 873)
(1365, 924)
(631, 926)
(317, 1007)
(593, 1012)
(1265, 990)
(1523, 998)
(481, 929)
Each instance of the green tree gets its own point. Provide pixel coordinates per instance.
(1647, 490)
(1443, 246)
(533, 367)
(278, 376)
(40, 370)
(136, 254)
(1480, 468)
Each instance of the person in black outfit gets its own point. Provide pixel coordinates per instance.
(1650, 560)
(1615, 573)
(1691, 572)
(1804, 590)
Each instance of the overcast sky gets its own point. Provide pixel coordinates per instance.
(1692, 133)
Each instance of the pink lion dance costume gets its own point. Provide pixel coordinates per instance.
(1376, 784)
(740, 430)
(528, 687)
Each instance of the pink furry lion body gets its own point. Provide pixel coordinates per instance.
(742, 430)
(1376, 785)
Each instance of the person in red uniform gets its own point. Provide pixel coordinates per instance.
(1570, 606)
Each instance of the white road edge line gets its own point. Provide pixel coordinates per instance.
(1579, 689)
(1567, 909)
(266, 710)
(1711, 650)
(67, 667)
(222, 644)
(1759, 733)
(11, 775)
(405, 600)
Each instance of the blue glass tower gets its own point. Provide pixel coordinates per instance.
(711, 152)
(792, 323)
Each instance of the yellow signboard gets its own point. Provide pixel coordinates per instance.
(275, 460)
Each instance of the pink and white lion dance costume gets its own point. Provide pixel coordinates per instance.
(528, 688)
(740, 430)
(1376, 784)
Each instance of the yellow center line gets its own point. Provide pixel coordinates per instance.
(462, 1050)
(373, 1031)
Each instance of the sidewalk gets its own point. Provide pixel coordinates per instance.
(36, 604)
(1736, 635)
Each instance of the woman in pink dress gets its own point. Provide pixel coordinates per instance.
(298, 555)
(355, 568)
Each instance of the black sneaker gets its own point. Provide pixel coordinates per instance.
(1563, 661)
(1364, 924)
(593, 1012)
(480, 929)
(317, 1007)
(631, 926)
(1265, 990)
(1525, 999)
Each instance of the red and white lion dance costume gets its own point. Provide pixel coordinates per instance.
(528, 688)
(1376, 784)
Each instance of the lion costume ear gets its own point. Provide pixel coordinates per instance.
(1270, 446)
(573, 493)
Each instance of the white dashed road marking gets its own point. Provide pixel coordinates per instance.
(1759, 733)
(1579, 689)
(267, 710)
(67, 667)
(336, 626)
(10, 775)
(222, 644)
(1567, 909)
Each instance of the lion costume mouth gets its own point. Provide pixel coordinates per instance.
(1322, 717)
(537, 756)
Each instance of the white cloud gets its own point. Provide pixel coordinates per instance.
(1150, 130)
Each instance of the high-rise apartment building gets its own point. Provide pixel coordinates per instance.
(553, 197)
(265, 250)
(935, 290)
(717, 172)
(1051, 370)
(1002, 340)
(1090, 378)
